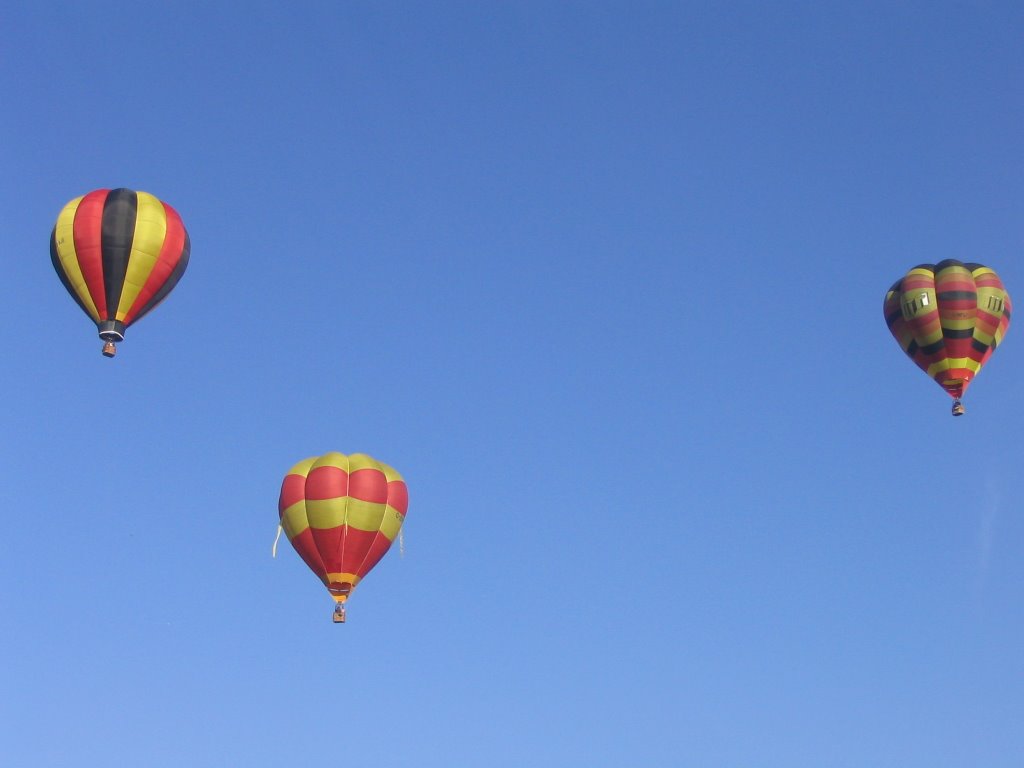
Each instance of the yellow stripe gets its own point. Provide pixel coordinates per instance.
(65, 239)
(150, 231)
(920, 301)
(981, 337)
(303, 467)
(326, 513)
(365, 515)
(987, 294)
(392, 523)
(332, 459)
(959, 269)
(959, 323)
(359, 461)
(294, 520)
(341, 578)
(951, 364)
(351, 463)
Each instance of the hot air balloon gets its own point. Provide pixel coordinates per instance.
(949, 318)
(341, 514)
(118, 253)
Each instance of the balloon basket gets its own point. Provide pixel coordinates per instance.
(339, 614)
(958, 408)
(109, 349)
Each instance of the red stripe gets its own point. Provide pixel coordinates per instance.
(956, 348)
(986, 322)
(305, 545)
(978, 355)
(293, 489)
(398, 496)
(954, 281)
(954, 390)
(329, 543)
(166, 261)
(326, 483)
(368, 485)
(357, 543)
(926, 323)
(952, 307)
(377, 549)
(988, 280)
(918, 282)
(88, 233)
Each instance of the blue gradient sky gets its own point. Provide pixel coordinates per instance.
(604, 282)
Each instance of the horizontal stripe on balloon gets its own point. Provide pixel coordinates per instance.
(955, 364)
(294, 520)
(293, 489)
(961, 295)
(959, 333)
(328, 482)
(341, 579)
(364, 515)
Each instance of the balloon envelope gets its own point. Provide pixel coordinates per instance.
(949, 318)
(341, 514)
(118, 253)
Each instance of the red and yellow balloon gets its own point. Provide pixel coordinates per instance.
(949, 318)
(118, 253)
(341, 513)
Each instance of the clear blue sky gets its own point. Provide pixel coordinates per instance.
(604, 282)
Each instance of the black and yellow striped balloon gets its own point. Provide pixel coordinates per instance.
(118, 253)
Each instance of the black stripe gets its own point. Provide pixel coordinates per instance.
(892, 317)
(954, 333)
(55, 258)
(956, 295)
(947, 263)
(119, 212)
(981, 346)
(912, 348)
(931, 349)
(171, 281)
